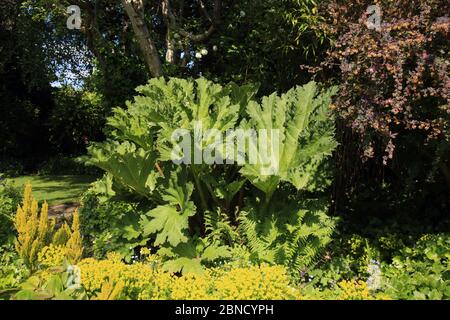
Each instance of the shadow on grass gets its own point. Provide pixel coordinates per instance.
(56, 189)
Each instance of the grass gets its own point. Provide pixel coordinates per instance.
(55, 189)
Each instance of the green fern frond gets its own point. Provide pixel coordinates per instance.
(289, 234)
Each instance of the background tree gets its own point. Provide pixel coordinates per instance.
(26, 74)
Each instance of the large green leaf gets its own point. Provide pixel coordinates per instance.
(130, 165)
(208, 108)
(191, 256)
(183, 265)
(170, 222)
(305, 134)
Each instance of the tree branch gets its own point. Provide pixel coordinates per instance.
(215, 21)
(204, 11)
(134, 10)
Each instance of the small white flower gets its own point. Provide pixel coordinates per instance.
(242, 14)
(204, 52)
(198, 55)
(215, 48)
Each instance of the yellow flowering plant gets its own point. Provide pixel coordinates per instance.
(52, 256)
(33, 229)
(37, 243)
(74, 245)
(353, 290)
(142, 280)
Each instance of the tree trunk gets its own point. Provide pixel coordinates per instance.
(134, 8)
(169, 20)
(170, 53)
(446, 172)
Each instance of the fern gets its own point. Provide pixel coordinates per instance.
(218, 228)
(289, 234)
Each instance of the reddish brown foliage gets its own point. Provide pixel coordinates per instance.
(393, 79)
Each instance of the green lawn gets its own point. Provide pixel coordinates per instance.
(55, 189)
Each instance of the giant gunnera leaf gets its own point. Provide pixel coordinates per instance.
(130, 165)
(300, 118)
(170, 221)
